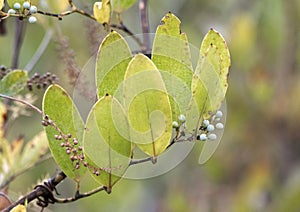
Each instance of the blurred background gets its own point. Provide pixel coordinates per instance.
(257, 164)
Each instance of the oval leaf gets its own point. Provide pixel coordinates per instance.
(171, 55)
(104, 147)
(147, 106)
(58, 105)
(112, 60)
(209, 84)
(13, 82)
(102, 11)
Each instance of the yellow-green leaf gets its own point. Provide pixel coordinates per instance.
(104, 146)
(147, 105)
(215, 49)
(102, 11)
(60, 108)
(112, 60)
(209, 83)
(171, 55)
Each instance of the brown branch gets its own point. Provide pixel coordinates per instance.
(80, 196)
(41, 192)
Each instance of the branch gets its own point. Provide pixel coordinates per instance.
(134, 162)
(41, 192)
(80, 196)
(66, 13)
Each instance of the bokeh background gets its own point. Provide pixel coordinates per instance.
(257, 164)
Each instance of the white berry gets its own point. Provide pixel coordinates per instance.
(175, 124)
(205, 123)
(212, 136)
(17, 6)
(203, 137)
(33, 9)
(32, 19)
(26, 5)
(210, 128)
(219, 114)
(219, 126)
(11, 11)
(182, 118)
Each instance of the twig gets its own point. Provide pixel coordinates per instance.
(145, 25)
(80, 196)
(41, 49)
(66, 13)
(23, 102)
(134, 162)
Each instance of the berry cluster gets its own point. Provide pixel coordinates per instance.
(181, 121)
(72, 147)
(41, 81)
(209, 126)
(24, 9)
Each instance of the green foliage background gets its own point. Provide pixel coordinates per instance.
(256, 167)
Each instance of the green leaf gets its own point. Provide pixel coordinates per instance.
(171, 55)
(112, 60)
(13, 82)
(147, 105)
(121, 5)
(104, 146)
(209, 83)
(171, 52)
(102, 11)
(58, 105)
